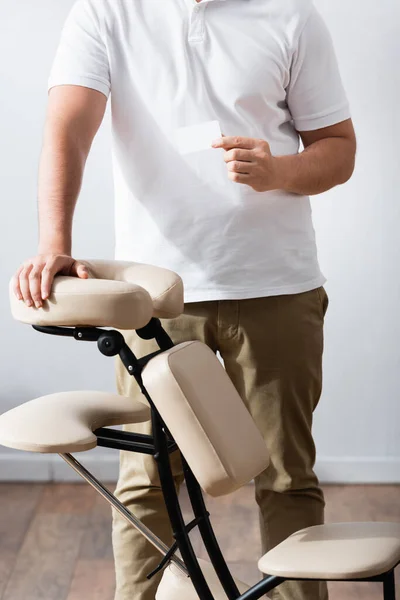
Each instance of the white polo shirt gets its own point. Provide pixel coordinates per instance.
(262, 68)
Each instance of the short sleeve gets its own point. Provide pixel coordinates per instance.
(81, 57)
(315, 96)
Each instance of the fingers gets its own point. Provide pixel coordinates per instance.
(239, 154)
(35, 281)
(239, 161)
(80, 270)
(239, 167)
(48, 273)
(229, 142)
(27, 284)
(62, 266)
(15, 284)
(24, 284)
(240, 177)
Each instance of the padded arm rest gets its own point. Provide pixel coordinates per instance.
(65, 422)
(117, 294)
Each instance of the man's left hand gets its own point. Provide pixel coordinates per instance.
(250, 161)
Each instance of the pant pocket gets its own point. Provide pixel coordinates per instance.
(323, 300)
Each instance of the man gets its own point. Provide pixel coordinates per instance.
(234, 221)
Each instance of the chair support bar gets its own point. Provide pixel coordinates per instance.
(123, 511)
(129, 441)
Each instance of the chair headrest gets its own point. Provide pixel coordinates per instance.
(118, 294)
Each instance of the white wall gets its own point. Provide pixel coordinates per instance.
(357, 423)
(357, 426)
(33, 364)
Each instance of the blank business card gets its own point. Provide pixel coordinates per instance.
(197, 137)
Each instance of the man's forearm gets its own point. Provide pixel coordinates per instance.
(60, 178)
(320, 167)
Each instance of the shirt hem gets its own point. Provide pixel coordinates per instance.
(313, 123)
(210, 295)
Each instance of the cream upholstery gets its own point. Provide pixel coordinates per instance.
(165, 287)
(65, 422)
(206, 416)
(175, 586)
(123, 295)
(336, 551)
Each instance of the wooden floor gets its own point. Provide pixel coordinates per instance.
(55, 540)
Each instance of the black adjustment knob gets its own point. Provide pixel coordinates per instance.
(110, 343)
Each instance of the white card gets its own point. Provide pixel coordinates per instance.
(197, 137)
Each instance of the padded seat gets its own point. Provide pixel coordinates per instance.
(175, 586)
(64, 422)
(336, 551)
(117, 294)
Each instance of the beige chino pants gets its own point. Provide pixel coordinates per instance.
(272, 349)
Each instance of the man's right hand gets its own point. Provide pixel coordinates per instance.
(33, 280)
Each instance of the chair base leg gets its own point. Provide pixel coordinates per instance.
(389, 589)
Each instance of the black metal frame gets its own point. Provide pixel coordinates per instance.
(160, 445)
